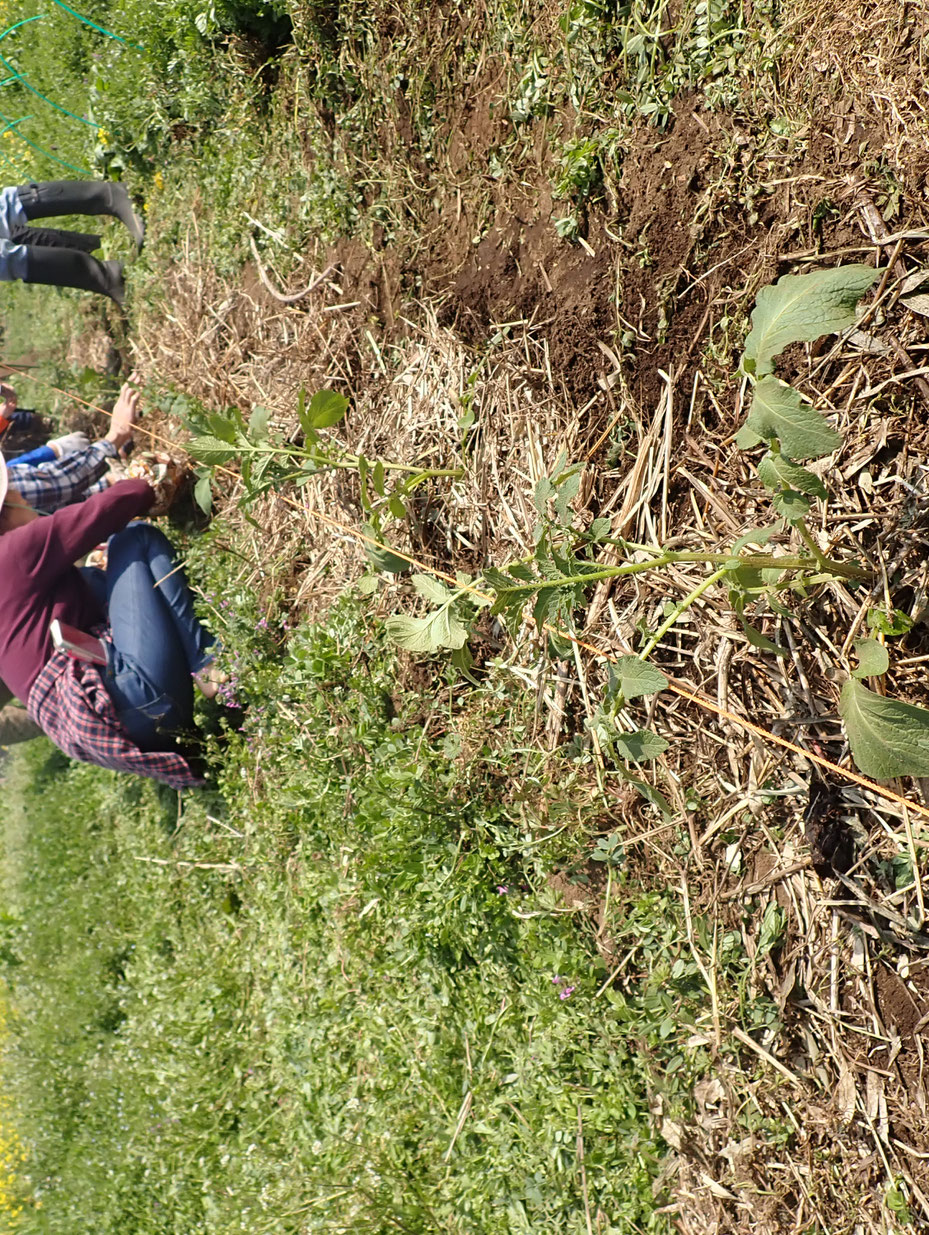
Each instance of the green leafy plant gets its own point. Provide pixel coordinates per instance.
(267, 461)
(887, 738)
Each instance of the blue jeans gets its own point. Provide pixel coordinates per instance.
(13, 256)
(157, 641)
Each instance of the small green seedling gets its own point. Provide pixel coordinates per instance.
(267, 462)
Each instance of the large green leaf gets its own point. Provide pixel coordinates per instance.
(777, 411)
(799, 308)
(431, 589)
(791, 505)
(379, 554)
(638, 677)
(888, 738)
(777, 472)
(211, 450)
(258, 423)
(440, 629)
(325, 409)
(639, 746)
(203, 494)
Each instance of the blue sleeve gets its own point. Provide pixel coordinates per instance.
(41, 454)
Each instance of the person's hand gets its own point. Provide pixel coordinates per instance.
(69, 444)
(162, 473)
(123, 417)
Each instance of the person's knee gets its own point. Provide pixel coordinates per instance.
(140, 539)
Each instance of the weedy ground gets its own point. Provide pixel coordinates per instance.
(329, 996)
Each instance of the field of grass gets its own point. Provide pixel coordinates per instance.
(338, 993)
(441, 949)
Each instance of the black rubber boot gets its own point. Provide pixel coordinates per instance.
(72, 268)
(51, 197)
(53, 237)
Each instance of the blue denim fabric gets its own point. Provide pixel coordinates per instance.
(12, 256)
(13, 261)
(95, 579)
(157, 641)
(12, 214)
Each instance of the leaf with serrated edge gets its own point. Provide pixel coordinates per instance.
(778, 472)
(873, 660)
(440, 629)
(887, 738)
(799, 308)
(638, 677)
(777, 411)
(430, 588)
(639, 746)
(211, 450)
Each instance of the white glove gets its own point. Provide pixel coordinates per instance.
(70, 444)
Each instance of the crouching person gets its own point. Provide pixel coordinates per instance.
(133, 711)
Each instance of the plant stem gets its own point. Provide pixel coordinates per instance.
(731, 561)
(807, 538)
(728, 562)
(349, 462)
(681, 607)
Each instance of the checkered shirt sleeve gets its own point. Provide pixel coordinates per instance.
(47, 487)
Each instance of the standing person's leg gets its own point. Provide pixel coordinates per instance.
(12, 214)
(158, 642)
(54, 197)
(57, 264)
(55, 238)
(71, 268)
(13, 261)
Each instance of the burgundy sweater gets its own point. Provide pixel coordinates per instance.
(39, 582)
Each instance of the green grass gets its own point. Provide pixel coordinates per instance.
(324, 998)
(327, 120)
